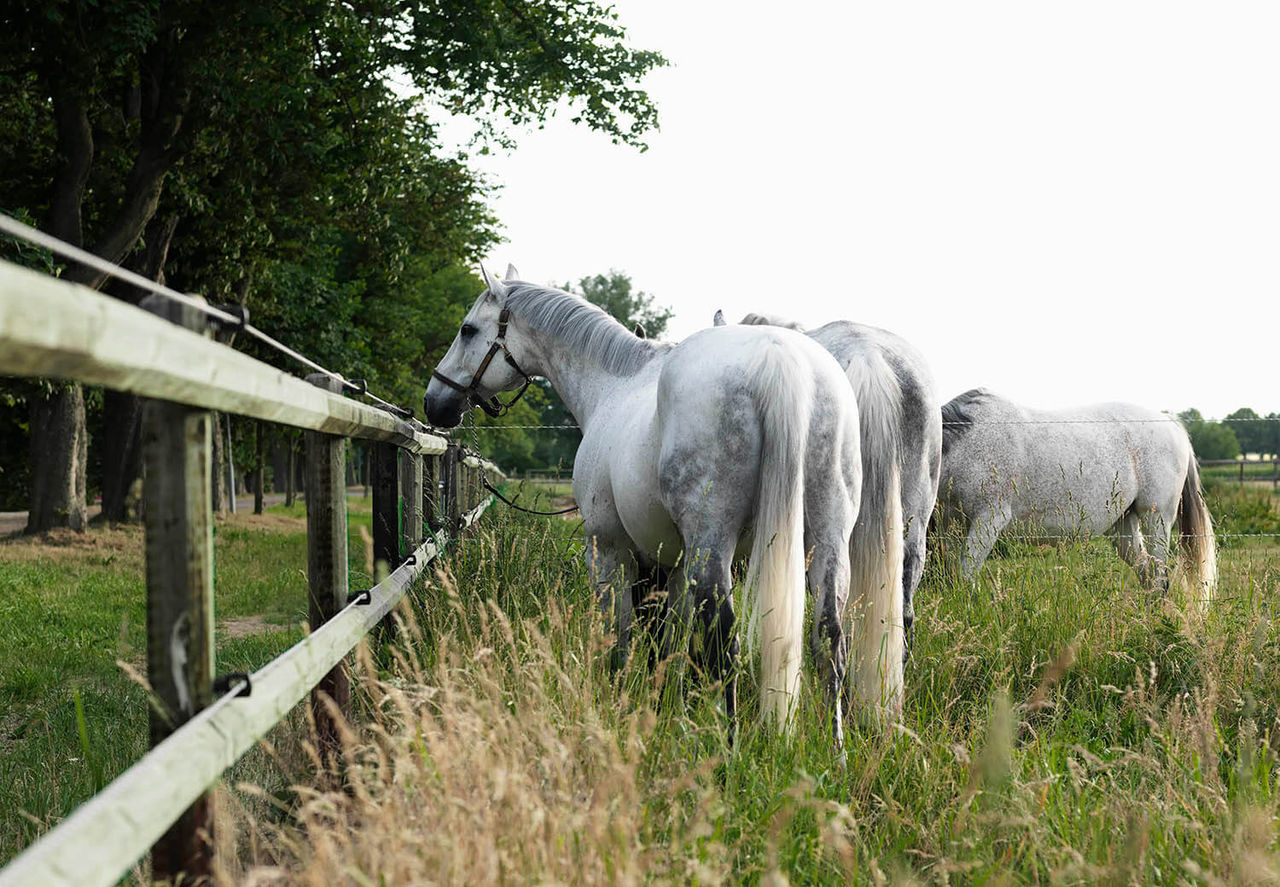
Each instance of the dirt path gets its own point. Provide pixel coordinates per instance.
(13, 522)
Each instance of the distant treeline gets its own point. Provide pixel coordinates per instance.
(1243, 431)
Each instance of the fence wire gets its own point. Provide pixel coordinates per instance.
(15, 229)
(946, 424)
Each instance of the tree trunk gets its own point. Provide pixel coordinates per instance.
(368, 464)
(259, 471)
(161, 144)
(121, 454)
(289, 473)
(279, 462)
(58, 421)
(122, 413)
(218, 499)
(59, 447)
(58, 466)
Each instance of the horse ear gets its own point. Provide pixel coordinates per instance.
(638, 331)
(718, 320)
(512, 273)
(493, 288)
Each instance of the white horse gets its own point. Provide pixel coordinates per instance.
(691, 455)
(901, 428)
(1110, 468)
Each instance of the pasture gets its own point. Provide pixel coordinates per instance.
(1061, 725)
(73, 638)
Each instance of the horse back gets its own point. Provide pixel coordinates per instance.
(1067, 469)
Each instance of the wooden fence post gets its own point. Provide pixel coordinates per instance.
(431, 493)
(386, 506)
(452, 507)
(413, 499)
(327, 577)
(177, 454)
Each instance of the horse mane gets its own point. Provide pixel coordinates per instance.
(756, 318)
(583, 327)
(957, 415)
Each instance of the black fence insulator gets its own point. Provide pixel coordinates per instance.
(411, 560)
(405, 413)
(222, 684)
(360, 598)
(221, 325)
(357, 386)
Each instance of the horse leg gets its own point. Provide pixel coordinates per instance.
(829, 579)
(984, 529)
(613, 573)
(913, 558)
(710, 587)
(1156, 527)
(1127, 538)
(677, 615)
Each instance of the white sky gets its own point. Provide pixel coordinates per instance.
(1065, 202)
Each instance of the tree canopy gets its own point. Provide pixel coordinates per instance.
(285, 155)
(1254, 432)
(635, 310)
(1210, 440)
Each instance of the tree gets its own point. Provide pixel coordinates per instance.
(634, 310)
(1271, 440)
(1250, 432)
(256, 127)
(1210, 440)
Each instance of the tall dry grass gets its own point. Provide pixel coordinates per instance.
(1061, 726)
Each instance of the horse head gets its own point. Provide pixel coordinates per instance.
(480, 362)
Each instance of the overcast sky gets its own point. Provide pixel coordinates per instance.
(1064, 202)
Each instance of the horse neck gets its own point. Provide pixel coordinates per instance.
(580, 380)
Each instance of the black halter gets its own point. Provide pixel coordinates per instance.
(492, 406)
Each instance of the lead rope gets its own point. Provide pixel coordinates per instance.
(484, 478)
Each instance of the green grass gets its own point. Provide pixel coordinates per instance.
(1242, 509)
(1252, 471)
(540, 493)
(70, 610)
(1061, 724)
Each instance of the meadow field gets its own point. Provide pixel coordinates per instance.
(1062, 725)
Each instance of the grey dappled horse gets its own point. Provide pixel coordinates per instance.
(691, 455)
(901, 430)
(1110, 468)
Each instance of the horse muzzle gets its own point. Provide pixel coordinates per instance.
(443, 409)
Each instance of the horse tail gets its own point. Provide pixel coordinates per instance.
(876, 546)
(775, 577)
(1197, 540)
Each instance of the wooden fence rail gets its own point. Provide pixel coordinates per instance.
(1242, 464)
(55, 329)
(425, 492)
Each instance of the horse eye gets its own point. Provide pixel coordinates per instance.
(467, 331)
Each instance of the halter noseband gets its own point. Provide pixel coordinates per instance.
(492, 406)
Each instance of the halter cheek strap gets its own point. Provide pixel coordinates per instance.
(492, 406)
